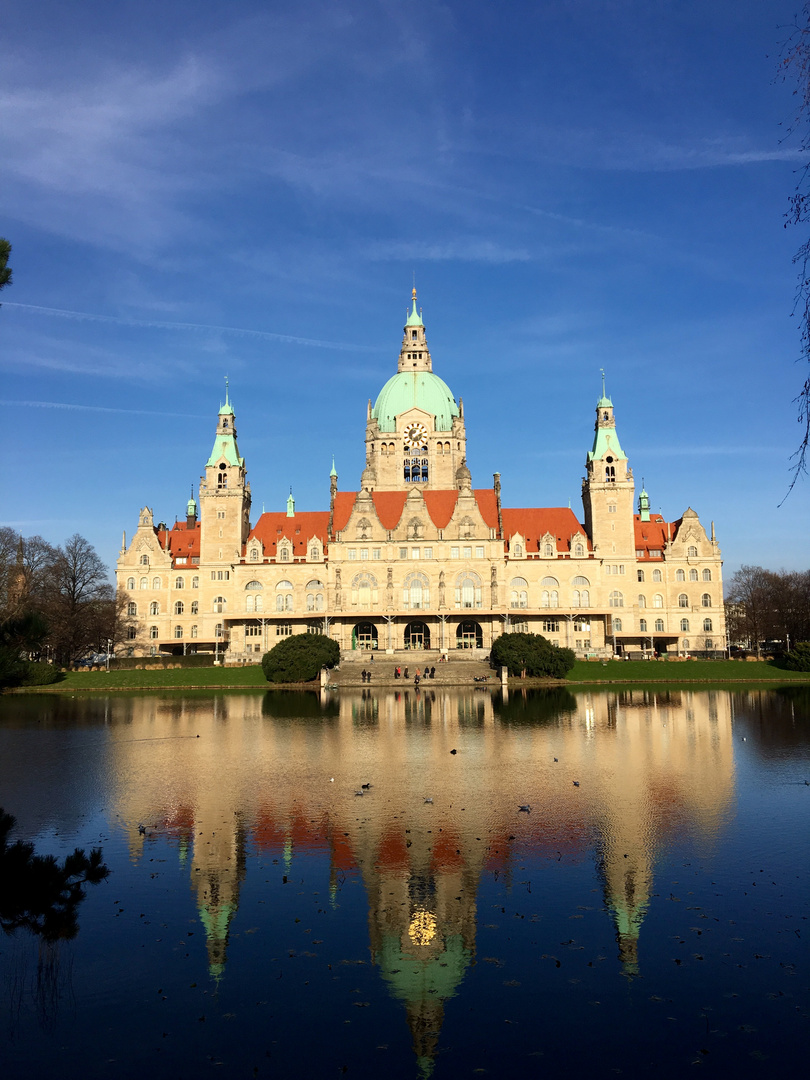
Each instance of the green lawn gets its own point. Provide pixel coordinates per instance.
(613, 671)
(660, 671)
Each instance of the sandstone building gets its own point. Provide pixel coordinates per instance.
(418, 558)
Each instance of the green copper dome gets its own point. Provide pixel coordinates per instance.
(415, 389)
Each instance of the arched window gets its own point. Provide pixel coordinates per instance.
(579, 551)
(254, 554)
(691, 552)
(314, 552)
(584, 598)
(144, 583)
(519, 593)
(656, 575)
(194, 631)
(283, 553)
(684, 625)
(693, 574)
(195, 583)
(132, 609)
(685, 643)
(659, 626)
(680, 575)
(315, 592)
(178, 631)
(364, 591)
(220, 603)
(195, 607)
(254, 585)
(709, 643)
(616, 599)
(548, 550)
(642, 625)
(154, 608)
(658, 600)
(518, 551)
(284, 596)
(144, 560)
(642, 601)
(640, 575)
(179, 583)
(416, 593)
(707, 574)
(707, 624)
(153, 632)
(222, 476)
(617, 626)
(706, 600)
(580, 597)
(254, 602)
(683, 600)
(468, 590)
(178, 607)
(130, 583)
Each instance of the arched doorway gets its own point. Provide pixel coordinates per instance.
(364, 636)
(417, 636)
(469, 636)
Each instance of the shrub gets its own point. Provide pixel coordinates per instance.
(533, 654)
(35, 673)
(798, 659)
(300, 658)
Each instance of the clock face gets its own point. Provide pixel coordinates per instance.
(416, 433)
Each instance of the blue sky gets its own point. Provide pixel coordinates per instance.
(195, 190)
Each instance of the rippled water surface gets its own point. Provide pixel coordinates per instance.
(647, 916)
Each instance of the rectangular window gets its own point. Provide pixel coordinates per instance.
(181, 561)
(220, 514)
(639, 553)
(429, 553)
(283, 629)
(363, 554)
(479, 552)
(551, 626)
(403, 553)
(415, 553)
(253, 630)
(453, 552)
(621, 569)
(612, 509)
(467, 552)
(375, 554)
(352, 555)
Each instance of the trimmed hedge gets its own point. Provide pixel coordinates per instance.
(300, 658)
(532, 654)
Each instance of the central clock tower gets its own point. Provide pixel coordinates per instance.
(415, 436)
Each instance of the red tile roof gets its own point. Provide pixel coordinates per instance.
(535, 522)
(652, 535)
(181, 541)
(272, 527)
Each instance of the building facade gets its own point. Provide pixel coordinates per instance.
(418, 558)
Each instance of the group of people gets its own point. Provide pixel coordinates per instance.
(429, 673)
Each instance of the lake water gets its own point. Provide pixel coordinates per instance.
(646, 917)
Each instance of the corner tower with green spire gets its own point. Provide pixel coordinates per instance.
(224, 494)
(415, 436)
(607, 488)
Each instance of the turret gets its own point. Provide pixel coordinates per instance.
(607, 489)
(224, 494)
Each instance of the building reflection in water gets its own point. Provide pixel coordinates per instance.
(279, 775)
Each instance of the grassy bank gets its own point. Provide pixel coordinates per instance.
(613, 671)
(667, 671)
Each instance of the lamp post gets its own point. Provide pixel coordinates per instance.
(109, 646)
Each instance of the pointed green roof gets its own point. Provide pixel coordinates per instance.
(227, 408)
(333, 470)
(415, 318)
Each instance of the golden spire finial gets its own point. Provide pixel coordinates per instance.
(413, 293)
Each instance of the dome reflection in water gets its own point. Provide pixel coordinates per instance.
(642, 913)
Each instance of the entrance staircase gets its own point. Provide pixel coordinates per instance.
(461, 668)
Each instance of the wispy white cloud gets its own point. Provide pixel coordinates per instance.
(155, 324)
(465, 250)
(73, 407)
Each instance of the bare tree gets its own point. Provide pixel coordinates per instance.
(795, 65)
(76, 594)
